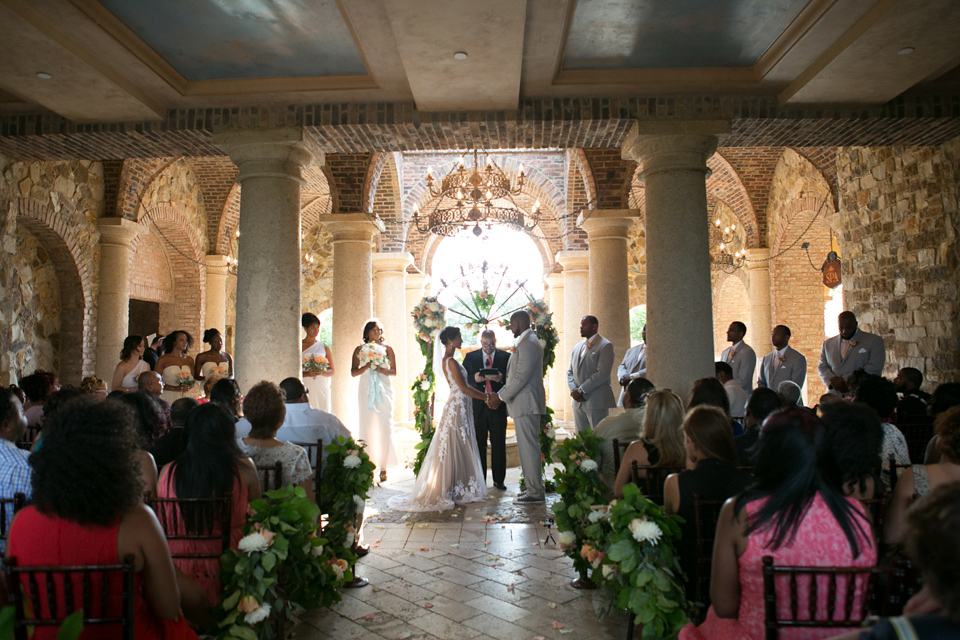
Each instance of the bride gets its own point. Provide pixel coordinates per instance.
(451, 472)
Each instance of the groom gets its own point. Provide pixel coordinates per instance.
(526, 402)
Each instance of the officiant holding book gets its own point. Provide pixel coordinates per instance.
(487, 372)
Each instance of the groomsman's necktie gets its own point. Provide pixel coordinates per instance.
(489, 365)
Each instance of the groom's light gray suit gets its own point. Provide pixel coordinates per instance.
(526, 402)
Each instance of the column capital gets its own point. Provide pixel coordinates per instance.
(655, 153)
(351, 227)
(574, 260)
(270, 153)
(554, 281)
(216, 264)
(607, 223)
(416, 281)
(757, 259)
(119, 232)
(391, 261)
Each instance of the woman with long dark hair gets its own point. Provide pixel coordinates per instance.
(795, 511)
(375, 363)
(176, 366)
(148, 421)
(226, 393)
(211, 466)
(131, 364)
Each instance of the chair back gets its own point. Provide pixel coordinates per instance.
(705, 516)
(619, 448)
(917, 432)
(831, 596)
(877, 508)
(650, 479)
(29, 438)
(17, 502)
(52, 593)
(893, 470)
(174, 515)
(271, 477)
(314, 450)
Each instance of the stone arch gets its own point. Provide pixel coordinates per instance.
(731, 301)
(430, 244)
(75, 276)
(184, 248)
(229, 220)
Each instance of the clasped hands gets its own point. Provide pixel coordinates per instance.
(493, 400)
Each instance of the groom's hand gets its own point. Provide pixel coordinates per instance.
(576, 395)
(493, 400)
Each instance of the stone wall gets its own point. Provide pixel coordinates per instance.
(898, 229)
(48, 267)
(316, 280)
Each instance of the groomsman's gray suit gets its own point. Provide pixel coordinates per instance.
(866, 350)
(634, 364)
(794, 367)
(589, 371)
(743, 362)
(526, 402)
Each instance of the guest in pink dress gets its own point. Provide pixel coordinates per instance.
(797, 513)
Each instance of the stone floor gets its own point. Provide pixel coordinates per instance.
(482, 571)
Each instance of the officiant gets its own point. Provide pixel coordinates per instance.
(486, 372)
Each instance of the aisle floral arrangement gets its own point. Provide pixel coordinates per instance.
(347, 477)
(580, 487)
(428, 319)
(282, 564)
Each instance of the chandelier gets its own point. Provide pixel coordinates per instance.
(467, 197)
(722, 260)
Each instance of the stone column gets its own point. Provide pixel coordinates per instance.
(113, 307)
(390, 299)
(353, 235)
(758, 282)
(271, 163)
(576, 300)
(216, 309)
(559, 398)
(679, 311)
(414, 286)
(609, 281)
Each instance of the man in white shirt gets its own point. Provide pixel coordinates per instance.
(633, 366)
(783, 363)
(740, 356)
(588, 376)
(305, 424)
(735, 393)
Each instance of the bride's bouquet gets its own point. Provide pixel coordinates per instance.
(185, 379)
(315, 364)
(373, 353)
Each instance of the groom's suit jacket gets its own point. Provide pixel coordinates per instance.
(794, 367)
(523, 391)
(866, 350)
(590, 370)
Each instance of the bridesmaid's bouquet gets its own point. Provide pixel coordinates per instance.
(375, 354)
(315, 364)
(184, 378)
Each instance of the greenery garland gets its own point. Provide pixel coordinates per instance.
(347, 477)
(429, 317)
(580, 487)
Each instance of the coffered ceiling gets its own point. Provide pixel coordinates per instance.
(132, 60)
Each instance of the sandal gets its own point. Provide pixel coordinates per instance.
(383, 475)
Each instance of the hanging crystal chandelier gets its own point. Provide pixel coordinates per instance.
(722, 260)
(467, 196)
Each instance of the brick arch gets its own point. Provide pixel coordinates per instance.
(585, 171)
(75, 276)
(184, 248)
(731, 301)
(382, 198)
(229, 220)
(135, 176)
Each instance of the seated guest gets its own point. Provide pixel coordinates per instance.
(624, 427)
(226, 393)
(789, 394)
(147, 422)
(796, 512)
(661, 443)
(712, 473)
(913, 405)
(14, 470)
(931, 541)
(763, 402)
(56, 400)
(735, 393)
(711, 392)
(265, 409)
(946, 395)
(151, 382)
(210, 466)
(854, 437)
(172, 444)
(37, 387)
(211, 380)
(305, 424)
(96, 442)
(878, 394)
(920, 479)
(94, 387)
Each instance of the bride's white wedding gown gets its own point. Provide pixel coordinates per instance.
(451, 472)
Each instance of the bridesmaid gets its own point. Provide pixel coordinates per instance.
(317, 383)
(376, 400)
(214, 359)
(173, 363)
(131, 364)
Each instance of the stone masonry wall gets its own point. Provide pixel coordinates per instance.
(898, 223)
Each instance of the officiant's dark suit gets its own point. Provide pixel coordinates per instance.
(487, 420)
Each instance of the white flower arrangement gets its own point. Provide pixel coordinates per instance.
(252, 542)
(645, 531)
(374, 354)
(597, 514)
(360, 502)
(260, 613)
(348, 541)
(317, 550)
(428, 317)
(567, 537)
(588, 465)
(425, 385)
(607, 570)
(551, 433)
(351, 461)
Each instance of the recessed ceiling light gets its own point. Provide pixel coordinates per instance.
(43, 75)
(460, 55)
(905, 51)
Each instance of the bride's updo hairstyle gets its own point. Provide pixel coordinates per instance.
(448, 334)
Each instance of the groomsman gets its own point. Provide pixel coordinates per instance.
(853, 349)
(588, 376)
(740, 356)
(487, 420)
(633, 366)
(783, 363)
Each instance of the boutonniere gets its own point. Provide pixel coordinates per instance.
(781, 359)
(853, 343)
